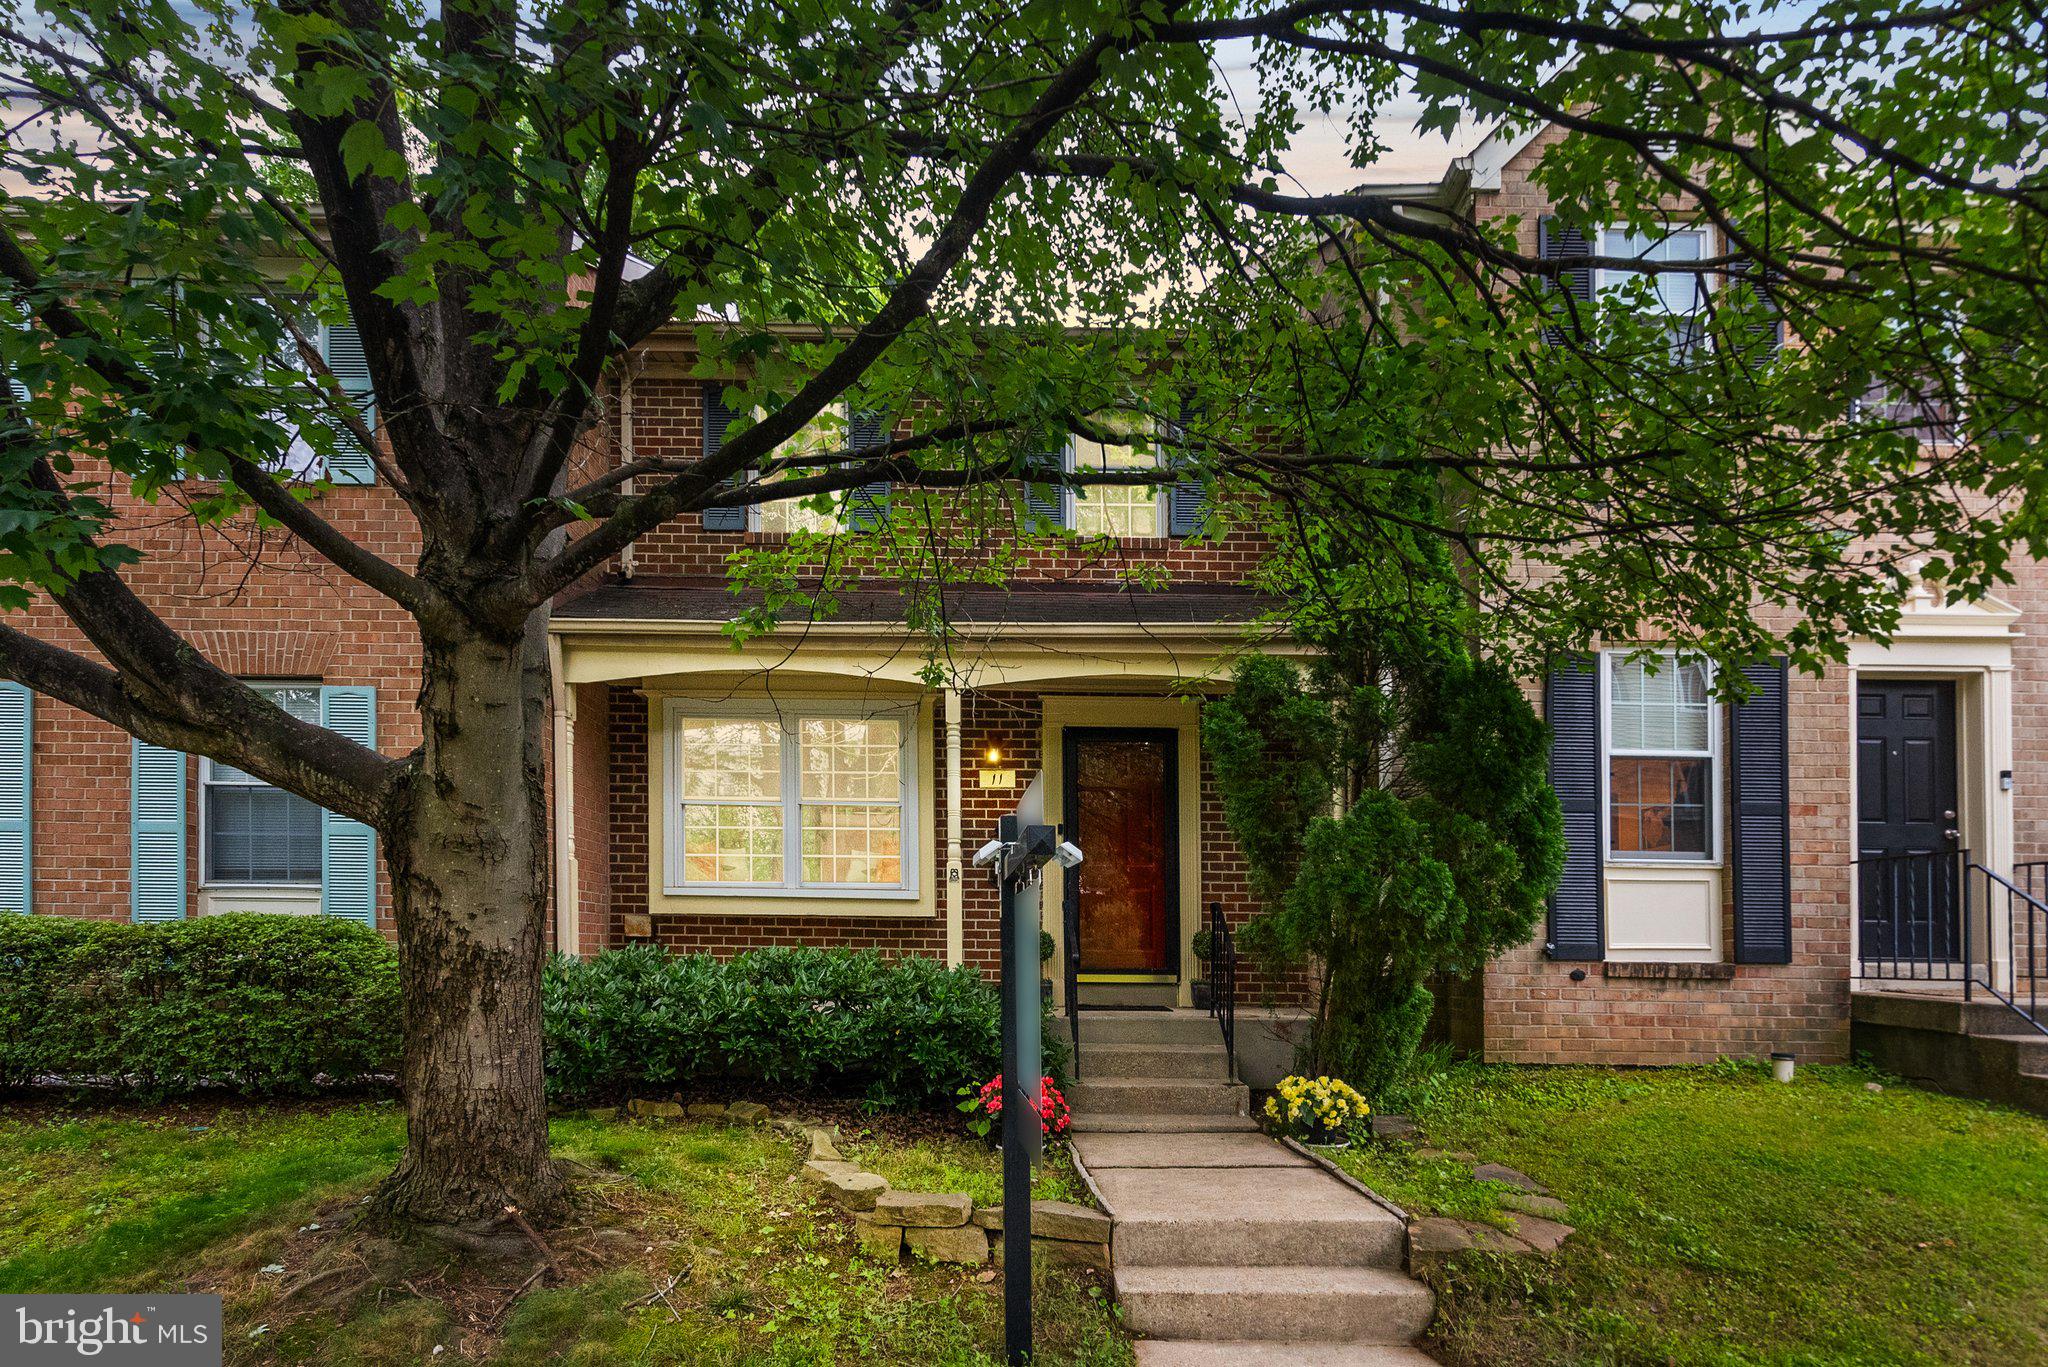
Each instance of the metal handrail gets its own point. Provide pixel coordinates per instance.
(2030, 970)
(1070, 925)
(1223, 983)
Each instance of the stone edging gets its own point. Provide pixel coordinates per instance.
(942, 1226)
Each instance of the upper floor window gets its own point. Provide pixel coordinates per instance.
(1662, 758)
(1118, 510)
(253, 833)
(1678, 297)
(799, 797)
(823, 434)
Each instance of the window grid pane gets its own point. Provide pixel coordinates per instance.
(852, 844)
(259, 834)
(1658, 806)
(1119, 510)
(1663, 713)
(731, 843)
(851, 759)
(731, 760)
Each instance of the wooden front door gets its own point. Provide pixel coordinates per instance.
(1122, 808)
(1908, 885)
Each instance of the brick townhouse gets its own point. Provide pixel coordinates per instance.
(813, 787)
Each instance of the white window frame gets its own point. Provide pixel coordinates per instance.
(1610, 752)
(835, 521)
(1606, 278)
(207, 882)
(1073, 495)
(789, 715)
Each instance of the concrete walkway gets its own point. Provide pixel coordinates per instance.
(1230, 1248)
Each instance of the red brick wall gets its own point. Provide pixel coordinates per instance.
(260, 606)
(668, 420)
(1534, 1013)
(1007, 719)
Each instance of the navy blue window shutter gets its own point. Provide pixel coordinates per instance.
(1759, 735)
(156, 847)
(17, 709)
(1557, 241)
(348, 848)
(1755, 284)
(1047, 503)
(1187, 501)
(868, 506)
(341, 346)
(1577, 908)
(717, 417)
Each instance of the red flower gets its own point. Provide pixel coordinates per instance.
(1053, 1113)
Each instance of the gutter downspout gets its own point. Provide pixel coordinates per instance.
(627, 558)
(956, 929)
(567, 912)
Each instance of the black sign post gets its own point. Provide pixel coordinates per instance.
(1025, 843)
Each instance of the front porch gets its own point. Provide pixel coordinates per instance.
(828, 782)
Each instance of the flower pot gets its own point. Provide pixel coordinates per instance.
(1045, 990)
(1331, 1144)
(1199, 991)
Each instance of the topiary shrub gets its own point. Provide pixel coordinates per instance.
(259, 1004)
(897, 1032)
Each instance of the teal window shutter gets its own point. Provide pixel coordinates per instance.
(156, 847)
(16, 709)
(348, 849)
(341, 346)
(717, 417)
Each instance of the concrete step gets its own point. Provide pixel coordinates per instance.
(1158, 1096)
(1236, 1149)
(1246, 1217)
(1196, 1061)
(1112, 995)
(1148, 1027)
(1274, 1304)
(1180, 1353)
(1111, 1122)
(1945, 1012)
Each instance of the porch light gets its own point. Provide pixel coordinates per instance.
(994, 754)
(1781, 1067)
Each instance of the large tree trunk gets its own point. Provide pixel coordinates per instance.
(467, 853)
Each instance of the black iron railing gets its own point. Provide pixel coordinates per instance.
(1910, 917)
(1070, 925)
(2010, 911)
(1223, 982)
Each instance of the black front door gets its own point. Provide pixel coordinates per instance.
(1123, 809)
(1906, 828)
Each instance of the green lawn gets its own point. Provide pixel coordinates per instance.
(211, 1198)
(1724, 1218)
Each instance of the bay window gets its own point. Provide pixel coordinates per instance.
(1662, 758)
(791, 798)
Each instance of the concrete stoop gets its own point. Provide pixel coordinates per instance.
(1978, 1049)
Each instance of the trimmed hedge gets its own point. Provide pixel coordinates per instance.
(260, 1004)
(285, 1004)
(896, 1031)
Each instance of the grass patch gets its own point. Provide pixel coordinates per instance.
(968, 1165)
(1724, 1218)
(755, 1266)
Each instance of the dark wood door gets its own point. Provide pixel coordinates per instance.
(1906, 828)
(1122, 808)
